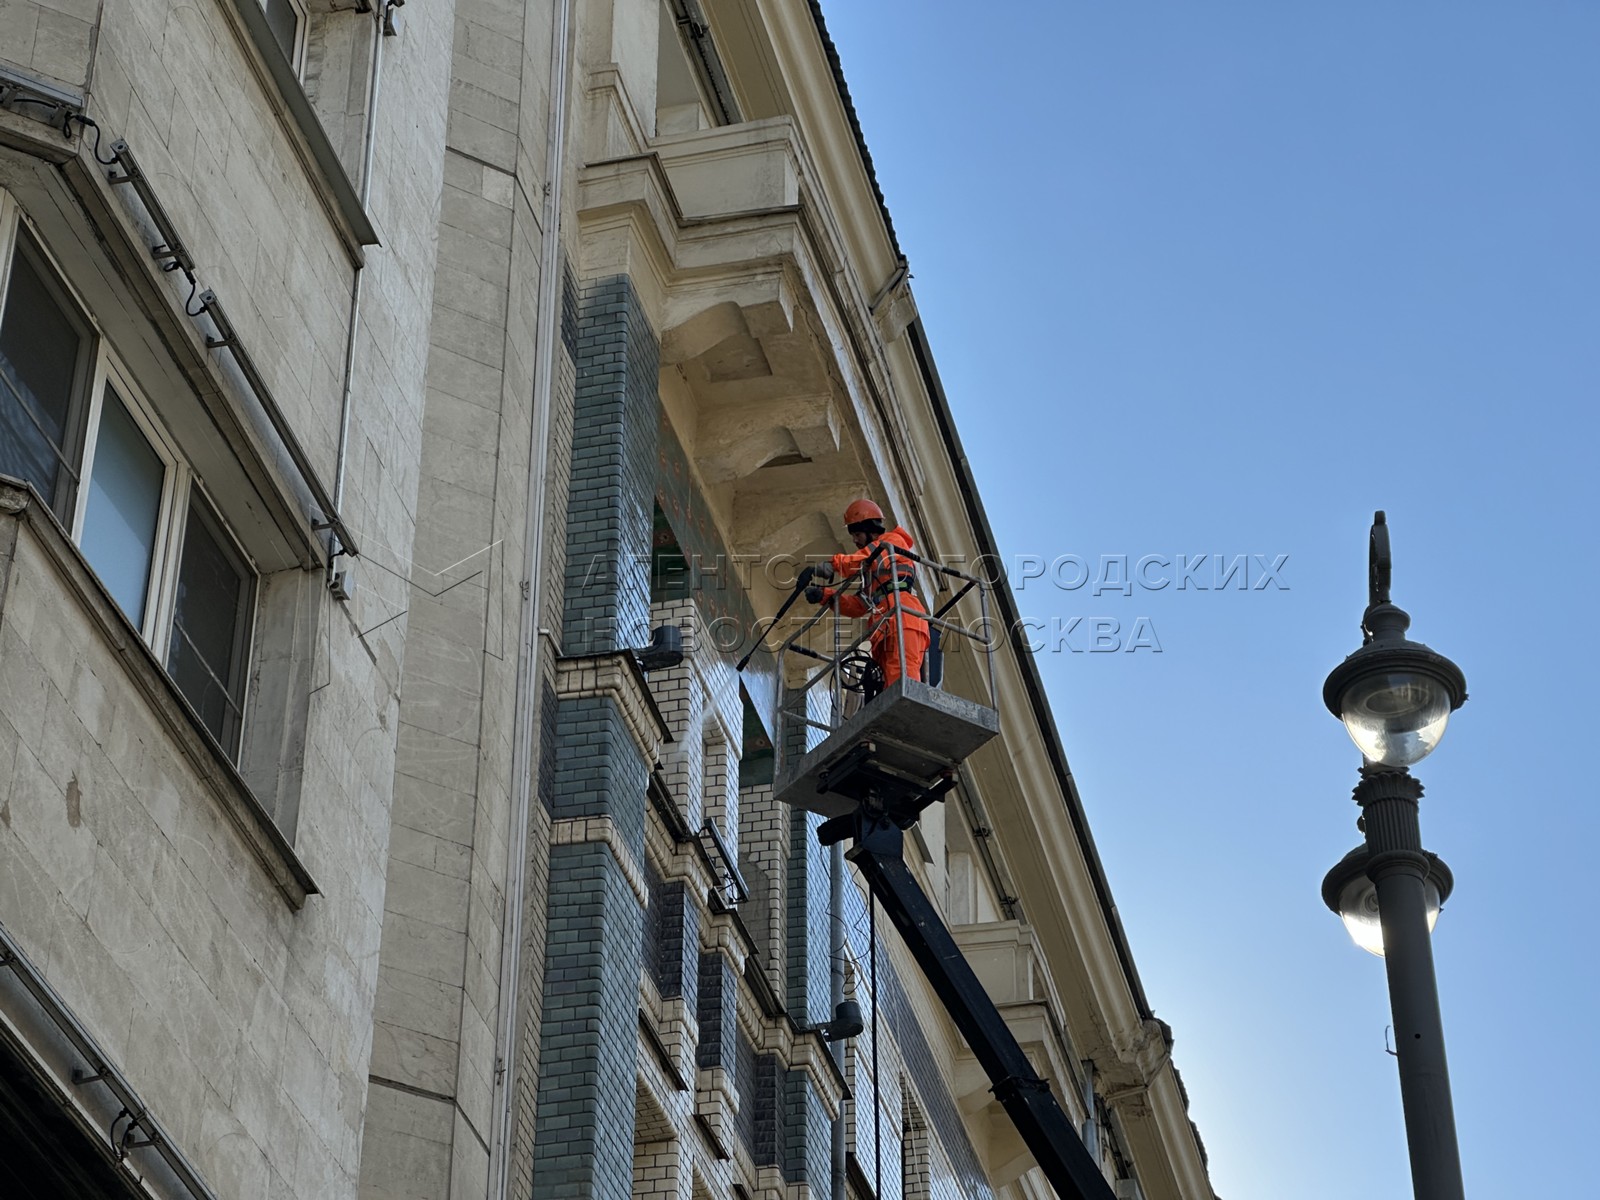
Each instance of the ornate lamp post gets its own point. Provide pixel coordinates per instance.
(1395, 697)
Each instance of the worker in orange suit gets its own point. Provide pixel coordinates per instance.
(885, 580)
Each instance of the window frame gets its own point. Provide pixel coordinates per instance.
(17, 238)
(110, 375)
(100, 369)
(247, 608)
(302, 22)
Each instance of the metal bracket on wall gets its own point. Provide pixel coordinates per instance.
(51, 105)
(173, 255)
(731, 886)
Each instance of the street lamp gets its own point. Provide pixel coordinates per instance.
(1395, 697)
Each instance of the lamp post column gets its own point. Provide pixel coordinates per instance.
(1398, 867)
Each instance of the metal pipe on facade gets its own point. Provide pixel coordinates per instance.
(339, 545)
(173, 255)
(511, 947)
(836, 995)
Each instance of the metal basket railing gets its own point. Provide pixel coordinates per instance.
(796, 717)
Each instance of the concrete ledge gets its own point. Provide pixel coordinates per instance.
(212, 768)
(573, 831)
(750, 167)
(321, 160)
(32, 115)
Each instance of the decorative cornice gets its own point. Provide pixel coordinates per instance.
(577, 831)
(795, 1047)
(617, 677)
(808, 1052)
(720, 933)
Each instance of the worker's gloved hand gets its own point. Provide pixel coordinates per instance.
(823, 570)
(815, 594)
(807, 574)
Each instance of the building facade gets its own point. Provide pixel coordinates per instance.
(374, 381)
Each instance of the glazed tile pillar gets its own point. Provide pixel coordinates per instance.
(808, 879)
(719, 1092)
(607, 738)
(672, 959)
(611, 501)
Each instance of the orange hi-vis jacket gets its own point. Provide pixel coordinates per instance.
(881, 586)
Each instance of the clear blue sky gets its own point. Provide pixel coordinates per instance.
(1224, 278)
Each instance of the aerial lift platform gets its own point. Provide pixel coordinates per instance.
(870, 773)
(899, 746)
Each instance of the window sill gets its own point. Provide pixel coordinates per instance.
(250, 19)
(212, 768)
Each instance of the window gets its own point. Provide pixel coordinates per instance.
(210, 623)
(287, 19)
(75, 426)
(122, 512)
(44, 353)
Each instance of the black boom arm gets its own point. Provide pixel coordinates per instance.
(1027, 1098)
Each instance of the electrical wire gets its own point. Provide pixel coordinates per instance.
(9, 99)
(174, 264)
(119, 1140)
(88, 123)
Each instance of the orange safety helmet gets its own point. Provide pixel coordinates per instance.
(862, 510)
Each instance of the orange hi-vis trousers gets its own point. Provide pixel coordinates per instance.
(885, 645)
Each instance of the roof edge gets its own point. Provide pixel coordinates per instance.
(1032, 680)
(980, 524)
(837, 67)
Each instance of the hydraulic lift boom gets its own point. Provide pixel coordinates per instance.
(871, 777)
(1044, 1127)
